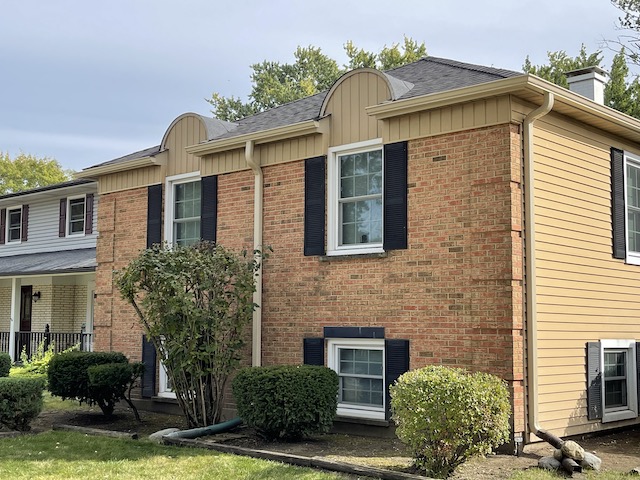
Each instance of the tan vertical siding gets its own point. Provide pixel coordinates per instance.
(481, 113)
(349, 120)
(583, 294)
(116, 182)
(187, 131)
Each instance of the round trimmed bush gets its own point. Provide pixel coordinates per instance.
(446, 415)
(68, 376)
(20, 401)
(287, 401)
(5, 364)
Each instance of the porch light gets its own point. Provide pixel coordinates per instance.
(36, 296)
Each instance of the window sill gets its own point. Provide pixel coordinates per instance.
(619, 416)
(160, 399)
(362, 421)
(329, 258)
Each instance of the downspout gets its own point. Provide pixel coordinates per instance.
(256, 337)
(530, 263)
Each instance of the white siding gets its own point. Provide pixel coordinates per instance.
(43, 225)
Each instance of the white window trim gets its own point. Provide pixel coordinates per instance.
(614, 415)
(333, 194)
(84, 220)
(632, 257)
(349, 410)
(170, 182)
(6, 233)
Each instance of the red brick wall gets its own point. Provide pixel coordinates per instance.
(455, 293)
(122, 224)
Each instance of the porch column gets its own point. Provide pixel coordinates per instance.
(14, 321)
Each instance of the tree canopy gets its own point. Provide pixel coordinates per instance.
(621, 91)
(25, 172)
(275, 83)
(195, 303)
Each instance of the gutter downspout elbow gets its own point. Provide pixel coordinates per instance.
(530, 263)
(256, 337)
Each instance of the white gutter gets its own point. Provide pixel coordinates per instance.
(530, 262)
(256, 337)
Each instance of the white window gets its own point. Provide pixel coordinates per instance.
(355, 198)
(359, 364)
(632, 203)
(76, 213)
(14, 224)
(182, 209)
(618, 367)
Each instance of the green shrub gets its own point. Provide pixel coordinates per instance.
(287, 402)
(20, 402)
(5, 364)
(108, 384)
(446, 415)
(69, 377)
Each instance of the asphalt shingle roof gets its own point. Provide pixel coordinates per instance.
(67, 261)
(425, 76)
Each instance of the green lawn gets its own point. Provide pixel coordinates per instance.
(537, 474)
(69, 455)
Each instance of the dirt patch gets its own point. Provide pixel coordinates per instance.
(619, 452)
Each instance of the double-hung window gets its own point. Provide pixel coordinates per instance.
(632, 183)
(359, 364)
(612, 393)
(355, 216)
(76, 216)
(183, 209)
(14, 224)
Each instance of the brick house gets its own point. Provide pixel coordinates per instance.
(47, 267)
(437, 213)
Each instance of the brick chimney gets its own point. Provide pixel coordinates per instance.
(588, 82)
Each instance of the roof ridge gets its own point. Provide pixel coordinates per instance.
(470, 66)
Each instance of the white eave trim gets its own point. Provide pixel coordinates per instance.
(300, 129)
(151, 161)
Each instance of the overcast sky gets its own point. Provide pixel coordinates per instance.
(84, 82)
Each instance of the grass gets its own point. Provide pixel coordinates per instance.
(70, 455)
(50, 403)
(538, 474)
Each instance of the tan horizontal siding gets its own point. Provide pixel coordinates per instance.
(583, 294)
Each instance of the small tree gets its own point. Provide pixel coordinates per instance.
(194, 303)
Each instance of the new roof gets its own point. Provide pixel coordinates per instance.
(425, 76)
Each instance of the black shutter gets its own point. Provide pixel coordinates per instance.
(154, 215)
(209, 208)
(395, 196)
(594, 381)
(62, 221)
(88, 214)
(3, 225)
(314, 205)
(24, 230)
(148, 382)
(396, 363)
(313, 351)
(618, 211)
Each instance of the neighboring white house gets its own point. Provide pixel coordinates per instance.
(47, 266)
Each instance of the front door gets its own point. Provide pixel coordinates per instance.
(24, 335)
